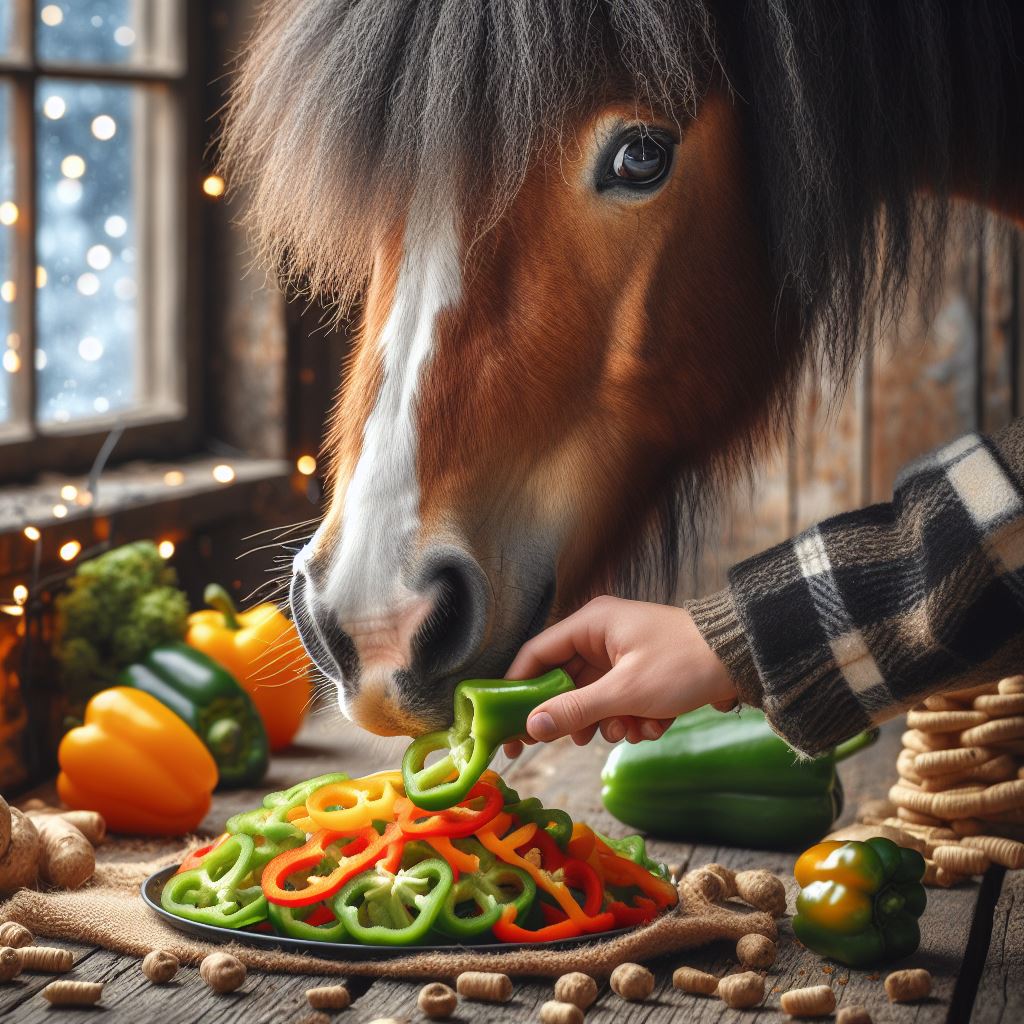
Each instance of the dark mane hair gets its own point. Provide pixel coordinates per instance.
(344, 110)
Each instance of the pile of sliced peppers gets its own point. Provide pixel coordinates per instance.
(347, 860)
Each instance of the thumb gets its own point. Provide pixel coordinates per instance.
(570, 712)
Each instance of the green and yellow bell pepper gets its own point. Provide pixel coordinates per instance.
(859, 901)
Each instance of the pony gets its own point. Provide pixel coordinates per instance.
(591, 245)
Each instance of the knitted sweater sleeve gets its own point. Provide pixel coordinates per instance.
(860, 617)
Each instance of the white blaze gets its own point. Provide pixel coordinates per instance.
(381, 514)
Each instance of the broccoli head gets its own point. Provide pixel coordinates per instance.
(116, 609)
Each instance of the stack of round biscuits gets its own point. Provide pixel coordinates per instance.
(961, 781)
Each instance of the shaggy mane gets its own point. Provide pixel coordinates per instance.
(343, 111)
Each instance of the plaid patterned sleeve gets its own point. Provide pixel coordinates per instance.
(859, 617)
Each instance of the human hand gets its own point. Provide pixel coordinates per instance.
(636, 667)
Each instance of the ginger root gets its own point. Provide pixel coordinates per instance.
(18, 863)
(66, 858)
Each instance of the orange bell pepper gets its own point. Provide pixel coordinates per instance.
(138, 764)
(262, 650)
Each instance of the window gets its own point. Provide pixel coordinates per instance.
(94, 176)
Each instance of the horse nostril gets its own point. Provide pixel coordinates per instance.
(454, 630)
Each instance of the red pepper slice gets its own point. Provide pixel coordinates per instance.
(195, 858)
(629, 917)
(364, 850)
(580, 876)
(506, 930)
(456, 822)
(552, 857)
(622, 871)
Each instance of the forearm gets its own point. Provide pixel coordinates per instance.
(862, 615)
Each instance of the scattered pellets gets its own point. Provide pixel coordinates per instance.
(708, 883)
(1012, 684)
(756, 950)
(10, 963)
(945, 762)
(436, 1000)
(577, 988)
(995, 731)
(908, 986)
(905, 814)
(330, 997)
(485, 986)
(160, 966)
(942, 877)
(554, 1012)
(1000, 703)
(968, 827)
(73, 993)
(689, 979)
(741, 991)
(222, 972)
(961, 859)
(853, 1015)
(1007, 852)
(632, 982)
(945, 721)
(15, 935)
(871, 812)
(46, 959)
(762, 890)
(816, 1001)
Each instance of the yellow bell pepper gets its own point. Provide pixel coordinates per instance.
(138, 764)
(262, 650)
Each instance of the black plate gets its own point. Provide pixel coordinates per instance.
(153, 886)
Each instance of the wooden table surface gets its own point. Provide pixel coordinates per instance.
(973, 936)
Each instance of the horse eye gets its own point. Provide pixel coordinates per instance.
(641, 162)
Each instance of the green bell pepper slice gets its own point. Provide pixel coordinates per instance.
(385, 909)
(635, 849)
(217, 892)
(488, 713)
(291, 921)
(268, 825)
(859, 901)
(208, 698)
(476, 902)
(726, 779)
(555, 822)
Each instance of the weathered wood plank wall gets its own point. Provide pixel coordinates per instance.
(941, 370)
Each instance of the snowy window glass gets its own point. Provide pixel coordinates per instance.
(90, 217)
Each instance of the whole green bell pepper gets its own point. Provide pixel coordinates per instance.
(859, 901)
(386, 909)
(725, 778)
(209, 699)
(488, 712)
(222, 891)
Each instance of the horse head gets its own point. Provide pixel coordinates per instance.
(555, 219)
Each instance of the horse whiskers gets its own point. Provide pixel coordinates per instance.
(293, 544)
(283, 531)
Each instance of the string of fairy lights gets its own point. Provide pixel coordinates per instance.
(84, 497)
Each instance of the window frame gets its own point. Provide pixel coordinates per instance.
(175, 428)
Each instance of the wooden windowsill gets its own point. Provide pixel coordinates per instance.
(137, 499)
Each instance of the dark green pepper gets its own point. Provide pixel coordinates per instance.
(859, 901)
(488, 713)
(725, 778)
(209, 699)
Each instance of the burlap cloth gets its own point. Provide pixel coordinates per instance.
(109, 912)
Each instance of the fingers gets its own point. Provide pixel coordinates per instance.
(513, 749)
(613, 729)
(578, 636)
(580, 708)
(583, 736)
